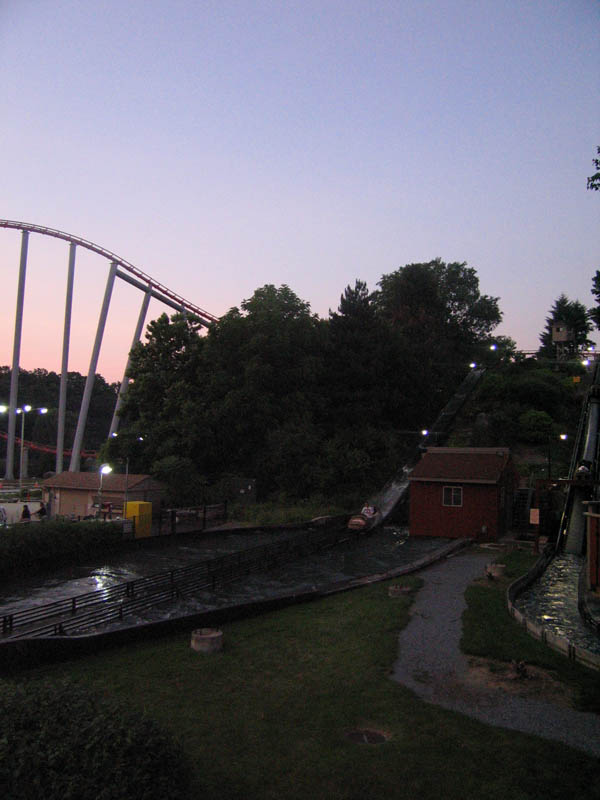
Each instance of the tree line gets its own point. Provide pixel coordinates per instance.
(302, 404)
(41, 389)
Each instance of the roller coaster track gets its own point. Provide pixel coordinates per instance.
(119, 268)
(46, 448)
(159, 290)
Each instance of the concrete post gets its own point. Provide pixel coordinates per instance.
(62, 402)
(14, 376)
(114, 425)
(89, 383)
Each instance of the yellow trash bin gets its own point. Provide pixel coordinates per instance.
(141, 513)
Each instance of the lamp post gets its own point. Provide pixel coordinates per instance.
(22, 411)
(104, 470)
(115, 435)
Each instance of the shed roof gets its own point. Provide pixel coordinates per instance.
(462, 465)
(90, 481)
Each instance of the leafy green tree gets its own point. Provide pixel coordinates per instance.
(535, 426)
(437, 298)
(301, 404)
(356, 368)
(594, 313)
(593, 182)
(574, 316)
(160, 401)
(441, 322)
(518, 398)
(41, 388)
(263, 372)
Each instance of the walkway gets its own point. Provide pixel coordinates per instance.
(431, 663)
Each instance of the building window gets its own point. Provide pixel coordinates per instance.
(453, 496)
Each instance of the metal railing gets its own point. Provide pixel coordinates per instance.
(88, 610)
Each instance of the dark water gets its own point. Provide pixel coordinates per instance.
(552, 602)
(150, 558)
(383, 550)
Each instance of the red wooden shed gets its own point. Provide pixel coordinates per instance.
(462, 492)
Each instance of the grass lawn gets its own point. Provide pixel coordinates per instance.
(268, 717)
(490, 632)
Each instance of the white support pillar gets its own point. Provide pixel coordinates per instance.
(62, 402)
(14, 376)
(89, 383)
(114, 425)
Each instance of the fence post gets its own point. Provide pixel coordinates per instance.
(173, 521)
(204, 517)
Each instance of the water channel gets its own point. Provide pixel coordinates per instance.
(385, 549)
(552, 602)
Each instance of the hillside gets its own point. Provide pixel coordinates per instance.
(526, 405)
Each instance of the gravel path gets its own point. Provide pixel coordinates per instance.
(431, 663)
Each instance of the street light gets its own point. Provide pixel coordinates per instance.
(104, 470)
(115, 435)
(140, 439)
(22, 411)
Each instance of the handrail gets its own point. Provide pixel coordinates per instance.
(116, 602)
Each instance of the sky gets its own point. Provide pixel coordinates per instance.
(219, 146)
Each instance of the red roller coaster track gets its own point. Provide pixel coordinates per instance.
(46, 448)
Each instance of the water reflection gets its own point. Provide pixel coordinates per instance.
(552, 602)
(378, 553)
(381, 551)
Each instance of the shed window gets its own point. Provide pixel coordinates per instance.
(453, 495)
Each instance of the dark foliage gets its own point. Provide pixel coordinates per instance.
(594, 313)
(39, 545)
(41, 389)
(593, 182)
(525, 402)
(304, 405)
(61, 742)
(574, 316)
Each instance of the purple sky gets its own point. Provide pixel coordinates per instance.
(221, 145)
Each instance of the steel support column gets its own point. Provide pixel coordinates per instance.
(14, 376)
(62, 401)
(114, 425)
(89, 383)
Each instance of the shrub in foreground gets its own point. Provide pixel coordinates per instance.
(65, 743)
(49, 544)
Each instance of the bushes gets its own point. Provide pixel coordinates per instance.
(51, 544)
(64, 743)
